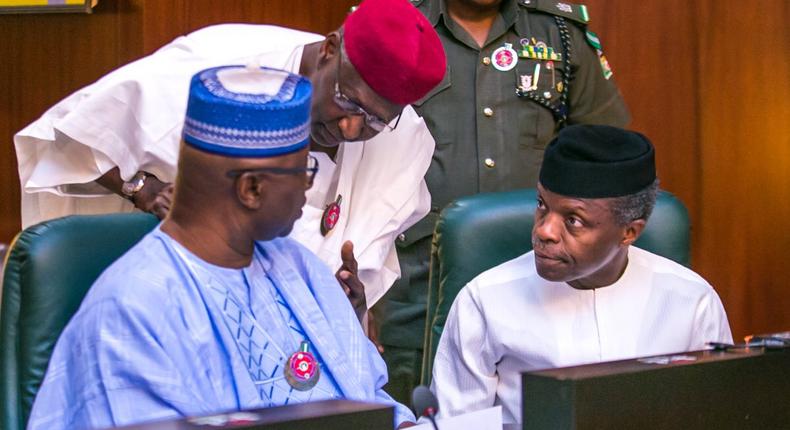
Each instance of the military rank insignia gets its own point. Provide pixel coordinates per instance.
(538, 50)
(580, 11)
(593, 40)
(564, 7)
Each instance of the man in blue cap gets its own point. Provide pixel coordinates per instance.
(217, 310)
(584, 294)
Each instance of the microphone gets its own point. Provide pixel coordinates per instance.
(425, 404)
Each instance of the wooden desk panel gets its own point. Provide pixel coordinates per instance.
(325, 415)
(703, 389)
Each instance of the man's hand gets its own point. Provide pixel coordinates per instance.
(406, 424)
(347, 276)
(155, 197)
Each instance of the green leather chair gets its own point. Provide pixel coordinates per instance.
(478, 232)
(48, 270)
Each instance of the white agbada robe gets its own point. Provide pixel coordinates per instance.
(509, 320)
(132, 118)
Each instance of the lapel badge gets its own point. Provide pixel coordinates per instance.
(302, 370)
(331, 216)
(525, 82)
(504, 58)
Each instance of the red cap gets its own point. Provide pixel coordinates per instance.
(394, 49)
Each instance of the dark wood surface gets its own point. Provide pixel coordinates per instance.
(706, 81)
(324, 415)
(697, 390)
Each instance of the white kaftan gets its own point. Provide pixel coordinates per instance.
(509, 320)
(132, 118)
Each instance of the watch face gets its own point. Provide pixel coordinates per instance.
(134, 185)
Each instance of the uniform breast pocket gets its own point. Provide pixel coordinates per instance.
(540, 85)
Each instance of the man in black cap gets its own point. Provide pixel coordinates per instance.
(584, 294)
(517, 72)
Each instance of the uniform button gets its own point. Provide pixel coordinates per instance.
(353, 9)
(487, 60)
(490, 163)
(402, 237)
(488, 112)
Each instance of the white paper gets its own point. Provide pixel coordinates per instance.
(484, 419)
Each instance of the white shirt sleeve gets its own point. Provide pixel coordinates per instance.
(711, 323)
(464, 371)
(132, 118)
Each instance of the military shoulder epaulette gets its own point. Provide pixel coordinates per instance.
(572, 11)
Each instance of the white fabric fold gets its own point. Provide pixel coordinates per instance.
(381, 182)
(132, 118)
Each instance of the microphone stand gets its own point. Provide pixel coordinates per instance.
(431, 416)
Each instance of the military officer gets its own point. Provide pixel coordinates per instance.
(517, 72)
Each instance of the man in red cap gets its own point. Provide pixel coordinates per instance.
(112, 146)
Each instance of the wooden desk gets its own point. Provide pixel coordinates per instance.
(325, 415)
(747, 388)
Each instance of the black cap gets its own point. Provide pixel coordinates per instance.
(595, 161)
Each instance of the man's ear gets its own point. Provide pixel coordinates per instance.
(632, 231)
(250, 190)
(329, 48)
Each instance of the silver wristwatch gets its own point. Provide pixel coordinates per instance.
(132, 186)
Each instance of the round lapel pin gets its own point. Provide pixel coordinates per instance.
(302, 371)
(331, 216)
(504, 58)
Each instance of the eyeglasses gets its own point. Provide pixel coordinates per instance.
(373, 121)
(311, 169)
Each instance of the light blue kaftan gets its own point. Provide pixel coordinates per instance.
(163, 334)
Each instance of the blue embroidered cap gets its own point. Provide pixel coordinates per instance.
(238, 111)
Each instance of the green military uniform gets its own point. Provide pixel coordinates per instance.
(489, 138)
